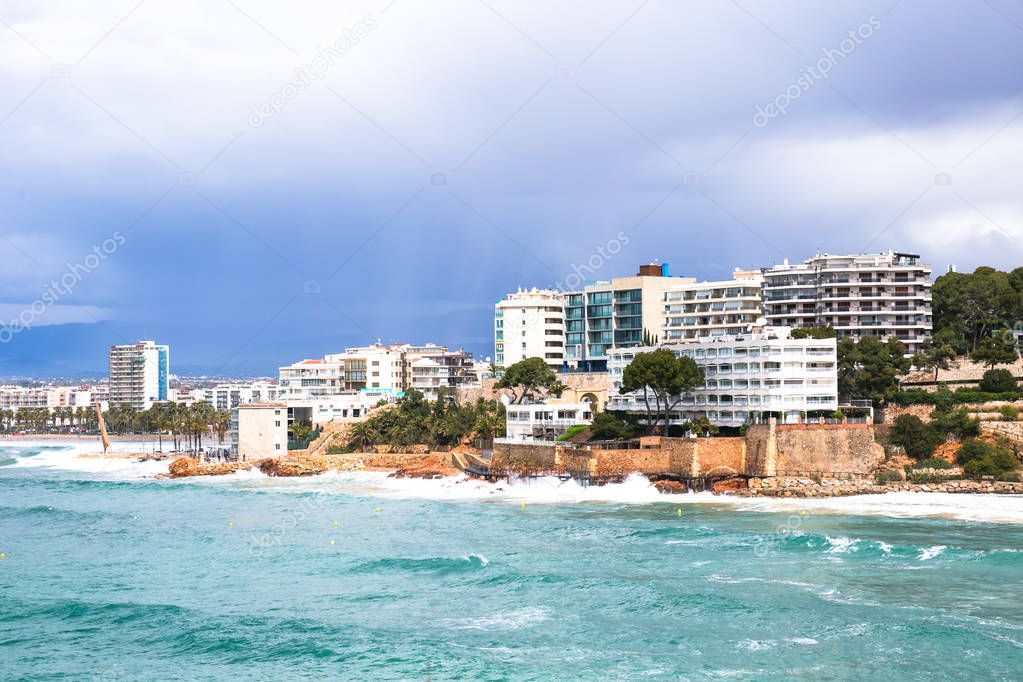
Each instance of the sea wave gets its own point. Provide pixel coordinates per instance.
(436, 565)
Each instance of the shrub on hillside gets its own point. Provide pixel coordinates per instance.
(997, 463)
(933, 463)
(888, 476)
(915, 437)
(980, 458)
(998, 381)
(956, 423)
(571, 431)
(1008, 413)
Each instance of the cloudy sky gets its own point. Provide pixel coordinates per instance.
(254, 182)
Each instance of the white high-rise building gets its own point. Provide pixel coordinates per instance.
(887, 295)
(139, 374)
(748, 378)
(530, 324)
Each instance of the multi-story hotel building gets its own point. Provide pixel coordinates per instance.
(887, 295)
(614, 314)
(378, 369)
(21, 397)
(696, 310)
(230, 396)
(748, 378)
(139, 374)
(530, 324)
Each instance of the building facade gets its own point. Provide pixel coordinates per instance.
(698, 310)
(545, 421)
(259, 430)
(230, 396)
(748, 378)
(139, 374)
(378, 369)
(617, 313)
(530, 324)
(887, 295)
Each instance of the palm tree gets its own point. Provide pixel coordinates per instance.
(363, 434)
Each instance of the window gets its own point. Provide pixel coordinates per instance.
(277, 423)
(277, 446)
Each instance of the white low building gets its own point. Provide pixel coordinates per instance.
(748, 378)
(544, 421)
(259, 430)
(231, 395)
(352, 406)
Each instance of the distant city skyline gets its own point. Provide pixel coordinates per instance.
(251, 187)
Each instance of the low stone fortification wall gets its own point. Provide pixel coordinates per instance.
(524, 457)
(843, 450)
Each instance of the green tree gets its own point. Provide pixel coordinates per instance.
(956, 423)
(998, 381)
(936, 353)
(971, 305)
(666, 377)
(996, 349)
(609, 425)
(823, 332)
(530, 378)
(979, 458)
(915, 437)
(869, 368)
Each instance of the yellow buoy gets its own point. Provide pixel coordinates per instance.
(335, 524)
(230, 524)
(680, 511)
(523, 505)
(332, 542)
(378, 510)
(2, 555)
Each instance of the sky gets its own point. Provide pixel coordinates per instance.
(257, 182)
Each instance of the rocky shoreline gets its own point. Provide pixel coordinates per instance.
(398, 465)
(810, 488)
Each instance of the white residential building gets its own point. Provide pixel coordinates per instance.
(697, 310)
(887, 295)
(748, 378)
(139, 374)
(22, 397)
(544, 421)
(378, 369)
(530, 324)
(230, 396)
(309, 379)
(259, 430)
(352, 406)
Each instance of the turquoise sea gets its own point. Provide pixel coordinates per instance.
(108, 574)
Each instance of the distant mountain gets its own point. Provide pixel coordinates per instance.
(64, 350)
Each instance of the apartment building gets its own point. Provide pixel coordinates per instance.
(231, 395)
(378, 369)
(698, 310)
(139, 374)
(748, 378)
(617, 313)
(530, 324)
(50, 397)
(887, 295)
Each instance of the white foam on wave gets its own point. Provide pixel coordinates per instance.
(635, 489)
(931, 552)
(66, 455)
(511, 620)
(988, 508)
